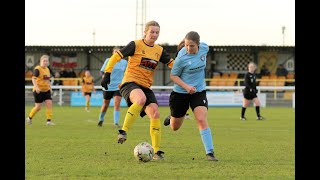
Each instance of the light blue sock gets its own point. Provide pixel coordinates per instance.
(116, 117)
(207, 140)
(101, 116)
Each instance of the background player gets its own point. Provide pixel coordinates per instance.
(113, 90)
(87, 88)
(250, 92)
(41, 90)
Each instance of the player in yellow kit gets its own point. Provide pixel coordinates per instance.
(144, 57)
(87, 88)
(41, 90)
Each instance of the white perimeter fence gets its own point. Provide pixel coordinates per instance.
(273, 90)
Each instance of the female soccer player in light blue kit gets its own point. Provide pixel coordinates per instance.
(188, 75)
(113, 90)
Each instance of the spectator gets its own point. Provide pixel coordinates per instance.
(71, 73)
(281, 71)
(56, 82)
(63, 73)
(264, 71)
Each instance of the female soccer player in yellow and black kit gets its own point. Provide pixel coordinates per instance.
(87, 88)
(144, 56)
(41, 90)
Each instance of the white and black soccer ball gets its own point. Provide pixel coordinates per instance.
(143, 152)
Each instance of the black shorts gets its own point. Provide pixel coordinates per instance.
(250, 96)
(107, 95)
(87, 93)
(42, 96)
(179, 103)
(247, 94)
(126, 88)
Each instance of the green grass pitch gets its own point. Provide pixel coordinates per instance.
(76, 148)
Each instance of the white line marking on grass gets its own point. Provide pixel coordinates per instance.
(245, 129)
(90, 120)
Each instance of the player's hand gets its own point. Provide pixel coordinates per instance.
(37, 90)
(105, 80)
(192, 90)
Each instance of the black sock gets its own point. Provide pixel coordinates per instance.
(243, 110)
(258, 110)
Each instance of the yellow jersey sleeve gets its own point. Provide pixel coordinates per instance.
(112, 61)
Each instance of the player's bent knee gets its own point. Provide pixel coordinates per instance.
(175, 127)
(156, 114)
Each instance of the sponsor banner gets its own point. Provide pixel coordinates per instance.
(224, 99)
(215, 99)
(230, 99)
(77, 99)
(162, 97)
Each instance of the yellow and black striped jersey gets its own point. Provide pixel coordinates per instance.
(143, 61)
(42, 76)
(87, 84)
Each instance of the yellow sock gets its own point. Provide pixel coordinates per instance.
(189, 111)
(33, 112)
(132, 114)
(155, 133)
(87, 104)
(49, 113)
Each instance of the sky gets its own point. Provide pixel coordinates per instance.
(113, 22)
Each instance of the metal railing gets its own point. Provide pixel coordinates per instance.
(273, 89)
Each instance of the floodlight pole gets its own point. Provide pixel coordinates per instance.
(94, 37)
(140, 17)
(283, 30)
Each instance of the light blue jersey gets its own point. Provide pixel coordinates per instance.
(116, 75)
(191, 68)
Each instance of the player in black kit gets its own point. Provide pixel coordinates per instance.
(250, 92)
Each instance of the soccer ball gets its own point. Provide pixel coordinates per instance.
(143, 152)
